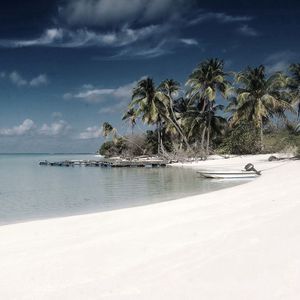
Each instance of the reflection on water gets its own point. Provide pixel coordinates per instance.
(29, 191)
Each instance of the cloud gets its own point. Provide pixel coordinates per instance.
(91, 133)
(55, 129)
(247, 31)
(163, 47)
(280, 61)
(39, 80)
(87, 86)
(56, 114)
(23, 129)
(143, 51)
(148, 28)
(66, 38)
(100, 95)
(28, 127)
(190, 42)
(121, 106)
(17, 79)
(203, 16)
(119, 12)
(279, 66)
(49, 37)
(128, 28)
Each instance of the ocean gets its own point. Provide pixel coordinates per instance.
(29, 191)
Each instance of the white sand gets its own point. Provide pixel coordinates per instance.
(238, 243)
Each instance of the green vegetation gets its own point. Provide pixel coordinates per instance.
(284, 139)
(190, 121)
(241, 139)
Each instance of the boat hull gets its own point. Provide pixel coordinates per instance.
(228, 175)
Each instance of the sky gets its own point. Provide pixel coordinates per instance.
(68, 66)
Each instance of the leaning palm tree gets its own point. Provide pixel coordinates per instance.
(149, 106)
(260, 98)
(109, 130)
(131, 117)
(204, 83)
(167, 90)
(294, 84)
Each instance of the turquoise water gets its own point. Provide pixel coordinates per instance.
(29, 191)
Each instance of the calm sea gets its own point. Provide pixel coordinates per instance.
(29, 191)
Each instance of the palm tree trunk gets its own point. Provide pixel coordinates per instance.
(158, 138)
(175, 123)
(116, 135)
(208, 140)
(208, 129)
(203, 138)
(261, 137)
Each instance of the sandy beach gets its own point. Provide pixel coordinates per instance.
(237, 243)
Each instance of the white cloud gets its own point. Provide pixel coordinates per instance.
(91, 133)
(2, 74)
(134, 52)
(165, 46)
(279, 66)
(190, 42)
(66, 38)
(28, 127)
(247, 31)
(280, 61)
(55, 129)
(25, 128)
(88, 86)
(152, 32)
(203, 16)
(67, 96)
(93, 95)
(129, 28)
(39, 80)
(118, 107)
(17, 79)
(153, 52)
(115, 12)
(96, 95)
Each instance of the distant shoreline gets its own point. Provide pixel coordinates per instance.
(45, 153)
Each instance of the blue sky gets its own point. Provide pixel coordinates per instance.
(68, 66)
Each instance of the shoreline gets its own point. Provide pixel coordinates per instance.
(238, 242)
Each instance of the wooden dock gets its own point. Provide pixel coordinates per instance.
(108, 163)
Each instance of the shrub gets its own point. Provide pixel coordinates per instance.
(111, 148)
(242, 139)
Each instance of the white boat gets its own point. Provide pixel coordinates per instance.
(228, 174)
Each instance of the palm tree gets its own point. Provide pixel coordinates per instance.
(231, 108)
(130, 116)
(108, 129)
(260, 97)
(294, 84)
(150, 106)
(202, 122)
(204, 83)
(167, 89)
